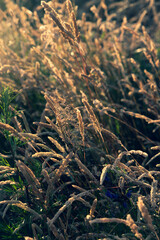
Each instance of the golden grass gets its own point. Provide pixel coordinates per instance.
(91, 90)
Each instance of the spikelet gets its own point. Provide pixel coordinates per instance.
(2, 183)
(69, 7)
(26, 170)
(43, 154)
(63, 167)
(30, 178)
(93, 208)
(55, 17)
(85, 170)
(14, 132)
(107, 220)
(17, 124)
(145, 214)
(28, 238)
(134, 228)
(104, 172)
(9, 128)
(92, 116)
(154, 189)
(55, 231)
(118, 159)
(53, 126)
(6, 168)
(21, 205)
(81, 125)
(46, 176)
(26, 124)
(121, 183)
(5, 156)
(58, 146)
(131, 152)
(31, 136)
(76, 32)
(108, 133)
(51, 103)
(137, 115)
(43, 146)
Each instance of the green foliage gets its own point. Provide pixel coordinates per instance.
(6, 98)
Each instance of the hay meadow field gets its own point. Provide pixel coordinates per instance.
(80, 120)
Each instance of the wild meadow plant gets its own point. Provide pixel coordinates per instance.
(79, 122)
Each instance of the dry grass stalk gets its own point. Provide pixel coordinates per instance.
(30, 178)
(115, 45)
(85, 170)
(73, 18)
(58, 146)
(50, 103)
(27, 171)
(41, 125)
(154, 189)
(17, 124)
(134, 228)
(64, 229)
(46, 154)
(54, 63)
(15, 133)
(55, 17)
(11, 129)
(104, 172)
(69, 6)
(82, 190)
(137, 115)
(31, 136)
(28, 238)
(154, 121)
(53, 126)
(2, 183)
(131, 152)
(85, 203)
(118, 159)
(79, 188)
(76, 32)
(43, 146)
(153, 158)
(66, 205)
(107, 220)
(146, 174)
(46, 109)
(81, 125)
(55, 231)
(145, 214)
(93, 208)
(129, 222)
(133, 180)
(21, 205)
(26, 124)
(113, 136)
(35, 229)
(46, 176)
(92, 116)
(121, 183)
(6, 168)
(62, 168)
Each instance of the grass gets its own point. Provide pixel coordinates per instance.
(79, 121)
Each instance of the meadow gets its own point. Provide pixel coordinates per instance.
(80, 120)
